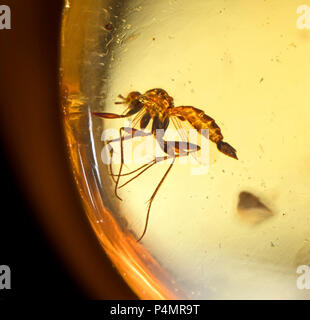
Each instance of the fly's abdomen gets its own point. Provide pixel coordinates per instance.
(199, 120)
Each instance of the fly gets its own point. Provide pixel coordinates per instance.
(155, 106)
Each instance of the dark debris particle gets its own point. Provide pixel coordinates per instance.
(248, 201)
(109, 26)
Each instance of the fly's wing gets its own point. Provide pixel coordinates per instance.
(136, 120)
(184, 128)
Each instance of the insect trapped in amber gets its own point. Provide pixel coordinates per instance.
(175, 211)
(157, 106)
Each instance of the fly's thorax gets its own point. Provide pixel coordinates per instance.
(156, 110)
(159, 94)
(158, 99)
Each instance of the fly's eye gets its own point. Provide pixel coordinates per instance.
(134, 95)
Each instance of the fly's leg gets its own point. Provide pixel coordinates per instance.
(132, 133)
(152, 198)
(174, 149)
(108, 115)
(108, 142)
(145, 166)
(134, 106)
(110, 166)
(148, 165)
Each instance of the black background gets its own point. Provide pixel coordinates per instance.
(45, 236)
(36, 269)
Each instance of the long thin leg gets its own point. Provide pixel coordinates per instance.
(121, 166)
(151, 200)
(110, 166)
(131, 131)
(176, 145)
(147, 165)
(138, 132)
(111, 173)
(159, 159)
(131, 172)
(108, 115)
